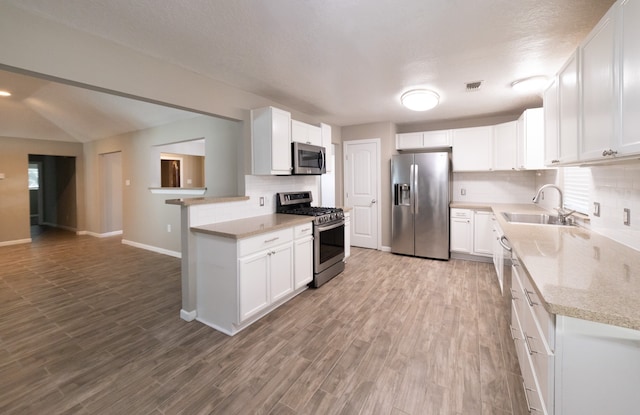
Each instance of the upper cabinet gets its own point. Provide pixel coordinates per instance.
(325, 130)
(472, 149)
(628, 142)
(598, 99)
(426, 139)
(306, 133)
(530, 146)
(568, 108)
(504, 146)
(270, 141)
(599, 89)
(551, 125)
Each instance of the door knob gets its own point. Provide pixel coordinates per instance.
(373, 201)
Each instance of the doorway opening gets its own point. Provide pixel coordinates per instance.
(52, 193)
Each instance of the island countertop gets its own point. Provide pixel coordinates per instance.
(244, 228)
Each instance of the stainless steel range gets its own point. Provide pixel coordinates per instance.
(328, 233)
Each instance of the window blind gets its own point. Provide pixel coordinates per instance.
(577, 181)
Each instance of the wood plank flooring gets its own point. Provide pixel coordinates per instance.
(91, 326)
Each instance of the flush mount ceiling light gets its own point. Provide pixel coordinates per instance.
(420, 99)
(530, 85)
(5, 94)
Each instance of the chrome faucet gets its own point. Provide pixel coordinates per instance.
(562, 213)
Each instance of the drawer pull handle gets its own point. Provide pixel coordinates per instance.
(527, 294)
(272, 240)
(526, 397)
(513, 295)
(526, 343)
(513, 337)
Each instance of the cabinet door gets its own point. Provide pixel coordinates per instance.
(314, 135)
(253, 280)
(504, 144)
(298, 131)
(551, 125)
(629, 141)
(409, 140)
(599, 97)
(482, 233)
(325, 132)
(472, 149)
(303, 259)
(281, 142)
(461, 230)
(281, 271)
(531, 139)
(498, 254)
(568, 83)
(434, 139)
(270, 141)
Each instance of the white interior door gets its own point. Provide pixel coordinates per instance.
(362, 190)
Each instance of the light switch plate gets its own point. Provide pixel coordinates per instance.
(627, 217)
(596, 209)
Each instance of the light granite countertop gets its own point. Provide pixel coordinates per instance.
(577, 272)
(244, 228)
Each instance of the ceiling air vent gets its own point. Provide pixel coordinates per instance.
(473, 86)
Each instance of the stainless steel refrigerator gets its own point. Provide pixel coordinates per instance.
(420, 189)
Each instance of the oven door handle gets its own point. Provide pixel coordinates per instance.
(321, 228)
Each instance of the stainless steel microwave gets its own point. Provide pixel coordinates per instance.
(308, 159)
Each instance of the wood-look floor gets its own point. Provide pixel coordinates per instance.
(91, 326)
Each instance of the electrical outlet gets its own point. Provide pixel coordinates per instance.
(169, 227)
(127, 182)
(596, 209)
(261, 200)
(463, 192)
(627, 216)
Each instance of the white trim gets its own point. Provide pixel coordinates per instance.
(16, 242)
(188, 315)
(376, 141)
(153, 248)
(178, 191)
(385, 248)
(100, 235)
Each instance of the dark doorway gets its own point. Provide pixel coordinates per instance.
(53, 203)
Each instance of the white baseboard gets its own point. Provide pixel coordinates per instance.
(16, 242)
(100, 235)
(385, 248)
(153, 248)
(188, 315)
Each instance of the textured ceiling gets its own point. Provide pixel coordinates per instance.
(348, 61)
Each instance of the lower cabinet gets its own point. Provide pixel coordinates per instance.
(472, 232)
(570, 365)
(239, 281)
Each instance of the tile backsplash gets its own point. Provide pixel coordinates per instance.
(255, 187)
(497, 187)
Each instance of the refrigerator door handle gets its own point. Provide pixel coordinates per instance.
(416, 196)
(411, 179)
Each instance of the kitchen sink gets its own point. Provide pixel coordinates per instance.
(534, 218)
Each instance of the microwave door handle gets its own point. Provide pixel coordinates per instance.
(322, 160)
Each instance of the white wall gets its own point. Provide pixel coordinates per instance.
(494, 187)
(256, 187)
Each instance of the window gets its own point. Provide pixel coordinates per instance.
(576, 184)
(34, 177)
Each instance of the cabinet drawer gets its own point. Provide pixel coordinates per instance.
(263, 241)
(535, 402)
(302, 231)
(545, 320)
(461, 213)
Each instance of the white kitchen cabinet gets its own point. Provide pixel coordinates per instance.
(482, 233)
(240, 281)
(599, 90)
(504, 146)
(530, 146)
(569, 109)
(347, 235)
(629, 139)
(270, 141)
(264, 277)
(303, 255)
(306, 133)
(473, 149)
(461, 231)
(325, 131)
(421, 140)
(498, 252)
(551, 125)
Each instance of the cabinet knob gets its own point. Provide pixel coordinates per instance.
(555, 161)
